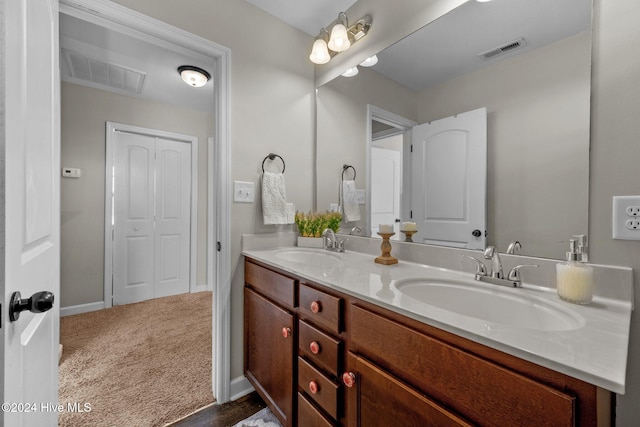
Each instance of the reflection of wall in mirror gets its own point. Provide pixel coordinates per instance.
(538, 137)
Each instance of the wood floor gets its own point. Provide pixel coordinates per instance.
(224, 415)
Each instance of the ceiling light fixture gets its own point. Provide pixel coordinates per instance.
(342, 36)
(194, 76)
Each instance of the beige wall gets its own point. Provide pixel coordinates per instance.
(84, 113)
(537, 142)
(271, 111)
(615, 158)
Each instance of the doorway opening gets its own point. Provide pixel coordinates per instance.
(214, 159)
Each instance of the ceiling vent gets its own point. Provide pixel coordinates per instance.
(102, 73)
(492, 53)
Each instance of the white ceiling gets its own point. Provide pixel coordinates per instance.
(157, 63)
(308, 16)
(446, 48)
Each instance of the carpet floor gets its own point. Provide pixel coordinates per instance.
(144, 364)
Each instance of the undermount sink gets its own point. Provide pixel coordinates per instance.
(479, 301)
(308, 256)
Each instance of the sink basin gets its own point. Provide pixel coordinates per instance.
(308, 256)
(499, 306)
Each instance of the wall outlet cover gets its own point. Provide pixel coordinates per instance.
(626, 217)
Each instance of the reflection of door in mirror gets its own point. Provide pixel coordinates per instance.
(386, 182)
(448, 176)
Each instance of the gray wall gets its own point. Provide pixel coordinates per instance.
(84, 113)
(615, 158)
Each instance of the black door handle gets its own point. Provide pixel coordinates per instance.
(476, 233)
(38, 303)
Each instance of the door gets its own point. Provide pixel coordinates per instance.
(449, 167)
(30, 197)
(151, 216)
(386, 176)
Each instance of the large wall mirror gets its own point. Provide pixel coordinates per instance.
(528, 64)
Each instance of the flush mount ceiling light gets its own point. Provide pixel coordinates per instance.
(194, 76)
(341, 37)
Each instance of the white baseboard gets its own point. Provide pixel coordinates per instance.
(201, 288)
(240, 386)
(82, 308)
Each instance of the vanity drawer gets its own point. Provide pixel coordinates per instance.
(322, 309)
(309, 416)
(481, 391)
(273, 285)
(318, 387)
(320, 348)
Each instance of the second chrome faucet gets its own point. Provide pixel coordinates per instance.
(495, 274)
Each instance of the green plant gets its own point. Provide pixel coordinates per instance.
(313, 224)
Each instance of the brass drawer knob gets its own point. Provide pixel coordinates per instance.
(286, 332)
(314, 347)
(316, 307)
(349, 379)
(313, 387)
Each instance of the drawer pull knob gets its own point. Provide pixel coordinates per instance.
(286, 332)
(316, 307)
(349, 379)
(314, 347)
(313, 387)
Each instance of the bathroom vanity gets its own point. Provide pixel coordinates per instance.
(330, 340)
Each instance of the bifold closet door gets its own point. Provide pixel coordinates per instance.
(152, 202)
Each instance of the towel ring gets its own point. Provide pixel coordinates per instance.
(347, 167)
(272, 156)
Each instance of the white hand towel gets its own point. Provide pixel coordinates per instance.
(350, 206)
(274, 198)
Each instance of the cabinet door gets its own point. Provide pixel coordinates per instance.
(269, 353)
(375, 398)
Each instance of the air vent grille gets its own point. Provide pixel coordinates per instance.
(103, 73)
(508, 47)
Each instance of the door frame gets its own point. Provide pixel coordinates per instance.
(405, 125)
(112, 15)
(111, 128)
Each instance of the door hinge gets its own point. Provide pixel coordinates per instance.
(410, 214)
(412, 148)
(219, 246)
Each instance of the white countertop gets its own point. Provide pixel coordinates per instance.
(596, 352)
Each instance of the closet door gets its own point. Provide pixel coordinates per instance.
(133, 237)
(172, 228)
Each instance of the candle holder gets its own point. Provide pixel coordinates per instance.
(408, 235)
(385, 247)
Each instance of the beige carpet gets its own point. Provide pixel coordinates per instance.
(143, 364)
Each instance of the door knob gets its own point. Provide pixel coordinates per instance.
(476, 233)
(38, 303)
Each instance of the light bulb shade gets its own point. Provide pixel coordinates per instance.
(339, 41)
(351, 72)
(370, 61)
(194, 76)
(319, 52)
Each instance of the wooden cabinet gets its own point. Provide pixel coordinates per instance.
(322, 358)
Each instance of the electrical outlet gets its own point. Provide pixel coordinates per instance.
(626, 217)
(243, 192)
(71, 172)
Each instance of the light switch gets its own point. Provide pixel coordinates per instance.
(71, 172)
(360, 197)
(243, 192)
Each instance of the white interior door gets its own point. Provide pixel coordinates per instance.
(30, 197)
(386, 174)
(449, 166)
(151, 216)
(173, 215)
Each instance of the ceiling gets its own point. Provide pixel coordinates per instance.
(105, 59)
(446, 48)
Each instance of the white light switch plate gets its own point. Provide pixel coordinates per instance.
(71, 172)
(243, 192)
(626, 217)
(360, 197)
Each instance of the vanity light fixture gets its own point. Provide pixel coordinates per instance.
(194, 76)
(341, 37)
(370, 61)
(351, 72)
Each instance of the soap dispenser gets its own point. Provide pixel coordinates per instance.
(574, 278)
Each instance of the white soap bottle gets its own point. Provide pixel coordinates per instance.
(574, 278)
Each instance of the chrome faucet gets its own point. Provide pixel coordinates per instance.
(331, 242)
(355, 231)
(513, 247)
(496, 265)
(513, 279)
